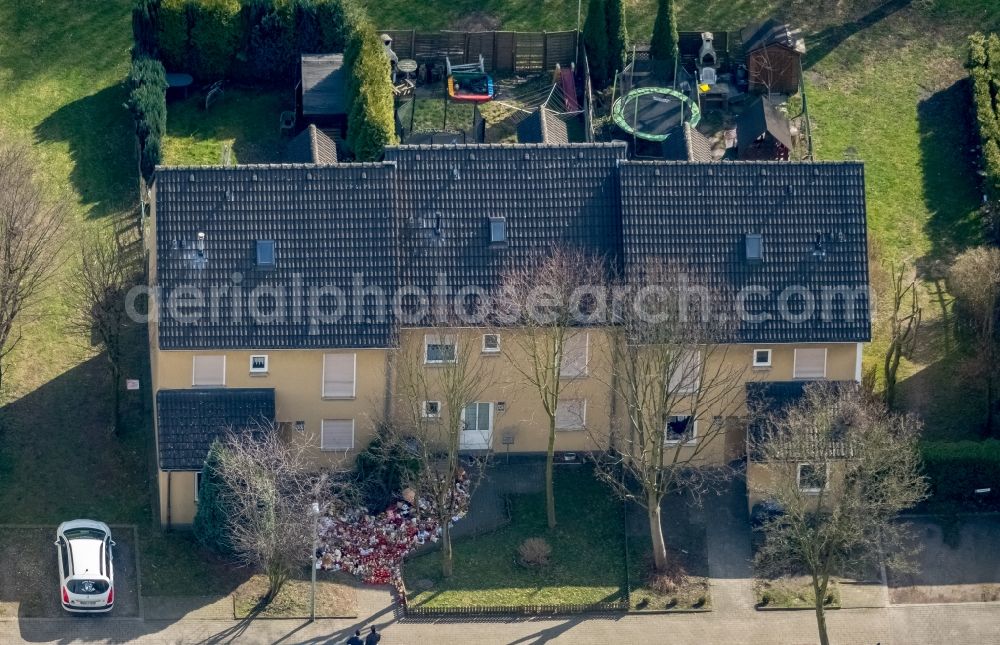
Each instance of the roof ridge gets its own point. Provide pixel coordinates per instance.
(281, 166)
(505, 146)
(740, 162)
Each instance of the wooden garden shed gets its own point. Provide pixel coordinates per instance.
(323, 82)
(773, 57)
(763, 133)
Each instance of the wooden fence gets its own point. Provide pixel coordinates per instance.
(502, 51)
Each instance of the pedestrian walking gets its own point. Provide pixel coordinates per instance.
(356, 639)
(373, 637)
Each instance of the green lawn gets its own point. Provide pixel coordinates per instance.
(881, 88)
(61, 67)
(884, 86)
(587, 563)
(244, 121)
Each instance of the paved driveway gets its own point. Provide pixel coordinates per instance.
(958, 561)
(29, 573)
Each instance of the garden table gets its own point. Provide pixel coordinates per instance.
(179, 81)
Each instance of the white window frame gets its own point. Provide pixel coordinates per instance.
(795, 364)
(354, 379)
(440, 339)
(586, 356)
(427, 415)
(491, 350)
(491, 411)
(674, 442)
(263, 370)
(197, 485)
(322, 429)
(583, 416)
(766, 363)
(812, 491)
(194, 370)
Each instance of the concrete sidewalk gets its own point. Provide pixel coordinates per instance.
(970, 624)
(734, 619)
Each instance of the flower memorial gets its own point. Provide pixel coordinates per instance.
(372, 547)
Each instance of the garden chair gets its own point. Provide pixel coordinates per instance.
(287, 122)
(213, 94)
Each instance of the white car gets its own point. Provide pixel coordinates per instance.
(85, 566)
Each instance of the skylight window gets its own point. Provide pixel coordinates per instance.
(755, 247)
(265, 253)
(498, 230)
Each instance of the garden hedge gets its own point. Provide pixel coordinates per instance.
(663, 48)
(216, 32)
(371, 123)
(268, 51)
(145, 17)
(248, 40)
(259, 41)
(147, 101)
(595, 42)
(172, 37)
(617, 36)
(984, 68)
(956, 469)
(211, 522)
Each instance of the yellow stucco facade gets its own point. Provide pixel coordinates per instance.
(517, 419)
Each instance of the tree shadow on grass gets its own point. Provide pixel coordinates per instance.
(947, 142)
(821, 43)
(99, 132)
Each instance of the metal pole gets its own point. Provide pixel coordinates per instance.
(579, 8)
(312, 599)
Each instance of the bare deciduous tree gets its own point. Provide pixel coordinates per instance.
(545, 309)
(904, 322)
(31, 228)
(975, 280)
(268, 490)
(677, 384)
(842, 467)
(429, 409)
(104, 273)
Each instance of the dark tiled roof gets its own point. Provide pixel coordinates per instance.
(759, 117)
(328, 224)
(436, 137)
(311, 146)
(698, 146)
(323, 84)
(768, 398)
(543, 126)
(687, 144)
(771, 32)
(188, 421)
(697, 216)
(547, 195)
(426, 211)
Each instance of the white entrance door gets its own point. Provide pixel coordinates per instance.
(477, 426)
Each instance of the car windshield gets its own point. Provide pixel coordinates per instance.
(87, 586)
(84, 534)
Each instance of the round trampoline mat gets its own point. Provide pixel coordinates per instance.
(650, 113)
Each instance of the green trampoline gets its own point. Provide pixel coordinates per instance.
(651, 113)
